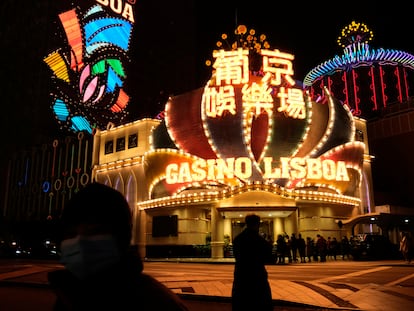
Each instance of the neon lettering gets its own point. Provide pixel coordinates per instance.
(290, 168)
(118, 7)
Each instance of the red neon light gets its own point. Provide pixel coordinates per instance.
(356, 89)
(121, 103)
(73, 33)
(383, 87)
(373, 89)
(329, 86)
(397, 74)
(345, 90)
(405, 83)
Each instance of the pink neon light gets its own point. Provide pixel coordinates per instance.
(90, 89)
(101, 91)
(85, 73)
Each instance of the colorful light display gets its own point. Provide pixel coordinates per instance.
(254, 127)
(89, 73)
(354, 39)
(365, 79)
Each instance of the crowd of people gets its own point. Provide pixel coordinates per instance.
(297, 249)
(293, 249)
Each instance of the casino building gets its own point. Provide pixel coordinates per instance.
(250, 141)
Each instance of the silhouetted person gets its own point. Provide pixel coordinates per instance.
(310, 249)
(345, 248)
(294, 247)
(251, 289)
(321, 246)
(301, 248)
(407, 246)
(334, 247)
(101, 269)
(281, 248)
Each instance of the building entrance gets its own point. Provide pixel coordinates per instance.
(266, 228)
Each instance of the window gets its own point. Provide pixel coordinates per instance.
(132, 140)
(120, 144)
(359, 135)
(109, 146)
(164, 226)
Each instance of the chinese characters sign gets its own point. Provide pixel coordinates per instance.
(232, 68)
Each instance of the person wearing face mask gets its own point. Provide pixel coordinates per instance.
(102, 271)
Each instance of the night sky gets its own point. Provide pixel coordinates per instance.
(171, 41)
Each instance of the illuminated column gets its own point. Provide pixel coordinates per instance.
(96, 152)
(96, 147)
(294, 221)
(367, 192)
(227, 227)
(141, 220)
(278, 227)
(217, 234)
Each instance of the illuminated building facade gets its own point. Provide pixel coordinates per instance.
(365, 79)
(250, 141)
(376, 85)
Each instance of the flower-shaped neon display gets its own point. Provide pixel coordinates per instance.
(245, 128)
(88, 74)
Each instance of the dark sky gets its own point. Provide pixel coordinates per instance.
(171, 41)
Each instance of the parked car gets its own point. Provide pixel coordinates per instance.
(374, 247)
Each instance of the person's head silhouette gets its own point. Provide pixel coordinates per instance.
(252, 222)
(98, 209)
(101, 269)
(96, 230)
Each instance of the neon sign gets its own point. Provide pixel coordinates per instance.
(232, 68)
(120, 7)
(219, 169)
(88, 75)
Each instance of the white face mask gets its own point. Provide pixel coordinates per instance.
(86, 255)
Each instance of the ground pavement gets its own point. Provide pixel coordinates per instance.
(324, 294)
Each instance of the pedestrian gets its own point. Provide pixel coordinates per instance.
(251, 289)
(321, 246)
(333, 246)
(301, 248)
(281, 249)
(406, 246)
(102, 271)
(328, 247)
(345, 248)
(294, 247)
(310, 248)
(288, 248)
